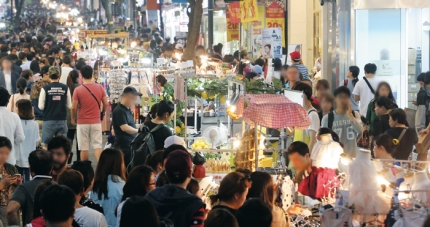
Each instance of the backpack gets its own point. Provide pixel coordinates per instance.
(143, 145)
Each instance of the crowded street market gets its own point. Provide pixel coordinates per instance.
(209, 113)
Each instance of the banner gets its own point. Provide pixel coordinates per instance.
(248, 11)
(258, 24)
(272, 42)
(275, 18)
(233, 11)
(233, 20)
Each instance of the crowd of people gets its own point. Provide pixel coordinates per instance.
(49, 101)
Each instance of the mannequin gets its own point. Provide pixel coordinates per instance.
(422, 182)
(364, 188)
(326, 152)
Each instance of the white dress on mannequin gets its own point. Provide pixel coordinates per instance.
(422, 182)
(364, 189)
(326, 152)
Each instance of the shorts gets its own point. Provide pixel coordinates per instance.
(89, 134)
(50, 129)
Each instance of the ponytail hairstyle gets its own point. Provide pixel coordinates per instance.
(232, 184)
(355, 71)
(21, 85)
(387, 142)
(384, 102)
(152, 113)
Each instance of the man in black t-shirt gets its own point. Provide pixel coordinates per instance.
(123, 122)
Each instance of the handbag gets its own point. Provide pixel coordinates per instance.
(102, 114)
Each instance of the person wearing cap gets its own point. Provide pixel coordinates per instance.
(258, 70)
(174, 140)
(55, 101)
(86, 101)
(123, 123)
(34, 96)
(172, 200)
(296, 59)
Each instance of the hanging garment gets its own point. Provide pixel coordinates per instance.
(320, 183)
(365, 193)
(326, 152)
(341, 218)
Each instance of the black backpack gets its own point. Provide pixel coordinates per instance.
(143, 145)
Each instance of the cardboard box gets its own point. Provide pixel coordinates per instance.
(423, 143)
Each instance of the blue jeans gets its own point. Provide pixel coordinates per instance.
(50, 129)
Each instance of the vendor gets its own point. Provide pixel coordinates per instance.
(298, 153)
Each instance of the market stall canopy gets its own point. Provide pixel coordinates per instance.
(272, 111)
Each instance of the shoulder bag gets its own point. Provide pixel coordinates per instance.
(102, 114)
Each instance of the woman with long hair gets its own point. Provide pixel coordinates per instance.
(109, 182)
(72, 83)
(152, 112)
(21, 87)
(140, 181)
(138, 211)
(164, 115)
(232, 192)
(383, 90)
(350, 82)
(31, 131)
(264, 189)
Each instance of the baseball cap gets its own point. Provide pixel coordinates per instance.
(171, 140)
(131, 90)
(44, 69)
(257, 69)
(295, 56)
(178, 165)
(53, 70)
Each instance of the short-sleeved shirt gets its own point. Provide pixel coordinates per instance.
(24, 195)
(121, 115)
(88, 107)
(160, 135)
(86, 216)
(362, 89)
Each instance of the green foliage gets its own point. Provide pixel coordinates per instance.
(213, 88)
(260, 87)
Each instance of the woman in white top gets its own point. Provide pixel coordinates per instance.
(21, 85)
(31, 131)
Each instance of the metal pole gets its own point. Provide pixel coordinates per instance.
(256, 149)
(186, 109)
(11, 12)
(210, 24)
(286, 25)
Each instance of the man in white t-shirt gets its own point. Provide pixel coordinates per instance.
(84, 216)
(66, 68)
(308, 135)
(365, 89)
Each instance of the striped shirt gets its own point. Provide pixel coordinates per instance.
(304, 71)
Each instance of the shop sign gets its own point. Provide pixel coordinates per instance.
(85, 33)
(233, 11)
(259, 24)
(232, 22)
(248, 11)
(275, 18)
